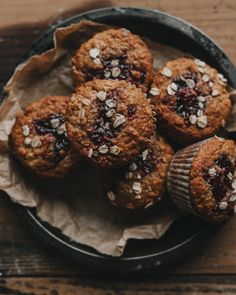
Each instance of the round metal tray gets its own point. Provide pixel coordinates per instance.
(187, 234)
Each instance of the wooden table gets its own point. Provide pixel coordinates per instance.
(29, 267)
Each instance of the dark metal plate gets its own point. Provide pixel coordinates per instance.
(187, 234)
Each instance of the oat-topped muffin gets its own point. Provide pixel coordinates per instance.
(191, 100)
(39, 138)
(202, 179)
(114, 54)
(142, 184)
(109, 122)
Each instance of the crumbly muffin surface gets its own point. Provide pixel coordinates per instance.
(114, 54)
(213, 180)
(191, 100)
(109, 122)
(39, 138)
(142, 184)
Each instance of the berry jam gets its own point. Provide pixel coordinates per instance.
(148, 165)
(102, 131)
(220, 182)
(186, 102)
(128, 72)
(44, 126)
(131, 110)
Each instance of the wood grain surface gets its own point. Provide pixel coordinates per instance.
(29, 267)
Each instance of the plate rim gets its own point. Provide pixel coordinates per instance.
(139, 12)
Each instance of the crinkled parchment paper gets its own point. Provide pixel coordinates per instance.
(76, 205)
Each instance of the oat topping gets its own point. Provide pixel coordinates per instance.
(115, 150)
(201, 70)
(199, 63)
(137, 187)
(148, 205)
(81, 114)
(97, 61)
(170, 91)
(138, 197)
(190, 83)
(215, 92)
(221, 78)
(27, 141)
(111, 195)
(202, 121)
(35, 142)
(110, 113)
(145, 154)
(223, 205)
(125, 32)
(90, 153)
(25, 130)
(167, 72)
(115, 62)
(115, 72)
(101, 95)
(129, 175)
(86, 101)
(119, 120)
(154, 91)
(193, 119)
(94, 52)
(103, 149)
(110, 103)
(205, 78)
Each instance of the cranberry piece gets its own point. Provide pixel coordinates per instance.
(131, 110)
(148, 165)
(220, 182)
(44, 126)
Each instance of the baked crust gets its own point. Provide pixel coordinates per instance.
(149, 171)
(109, 122)
(172, 106)
(114, 54)
(40, 147)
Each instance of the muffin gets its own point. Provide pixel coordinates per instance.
(114, 54)
(142, 184)
(39, 138)
(109, 122)
(191, 100)
(202, 179)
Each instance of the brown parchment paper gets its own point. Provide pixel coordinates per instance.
(76, 205)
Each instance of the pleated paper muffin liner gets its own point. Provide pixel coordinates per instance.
(178, 179)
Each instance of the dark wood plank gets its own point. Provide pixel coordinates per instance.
(54, 286)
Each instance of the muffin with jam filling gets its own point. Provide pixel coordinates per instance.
(109, 122)
(143, 182)
(191, 100)
(114, 54)
(202, 179)
(39, 138)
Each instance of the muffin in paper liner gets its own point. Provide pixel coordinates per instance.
(202, 179)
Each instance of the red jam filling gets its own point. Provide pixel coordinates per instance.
(220, 182)
(128, 72)
(102, 130)
(61, 144)
(147, 165)
(186, 98)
